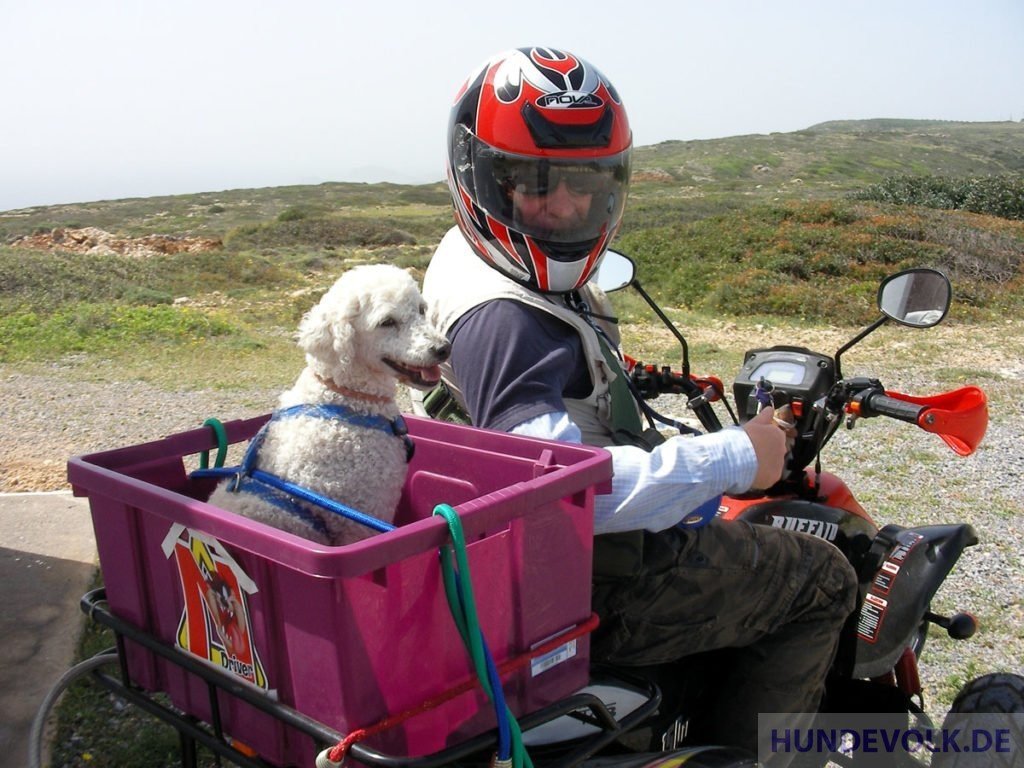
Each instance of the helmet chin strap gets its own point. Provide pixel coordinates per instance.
(575, 302)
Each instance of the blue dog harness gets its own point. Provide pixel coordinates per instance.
(285, 495)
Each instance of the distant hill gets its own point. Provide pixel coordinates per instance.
(708, 174)
(834, 155)
(218, 213)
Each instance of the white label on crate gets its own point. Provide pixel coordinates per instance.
(552, 658)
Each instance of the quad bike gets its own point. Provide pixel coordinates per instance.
(899, 568)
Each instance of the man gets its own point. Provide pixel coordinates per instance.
(538, 164)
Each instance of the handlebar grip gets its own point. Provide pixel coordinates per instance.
(883, 405)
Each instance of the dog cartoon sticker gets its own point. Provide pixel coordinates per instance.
(215, 621)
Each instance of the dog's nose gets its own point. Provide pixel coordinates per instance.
(441, 351)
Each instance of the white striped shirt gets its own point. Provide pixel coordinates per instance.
(656, 490)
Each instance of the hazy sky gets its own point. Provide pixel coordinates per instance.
(102, 99)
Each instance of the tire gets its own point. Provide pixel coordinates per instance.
(986, 703)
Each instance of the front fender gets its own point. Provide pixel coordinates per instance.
(899, 576)
(848, 531)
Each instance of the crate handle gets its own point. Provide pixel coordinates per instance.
(222, 444)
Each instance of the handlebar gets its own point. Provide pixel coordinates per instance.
(959, 417)
(879, 404)
(652, 380)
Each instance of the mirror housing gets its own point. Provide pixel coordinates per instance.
(615, 272)
(919, 298)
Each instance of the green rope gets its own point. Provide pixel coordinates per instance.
(462, 603)
(222, 445)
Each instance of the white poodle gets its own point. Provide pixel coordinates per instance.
(338, 431)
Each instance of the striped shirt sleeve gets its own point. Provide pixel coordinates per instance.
(656, 490)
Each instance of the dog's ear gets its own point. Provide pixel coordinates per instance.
(326, 332)
(314, 337)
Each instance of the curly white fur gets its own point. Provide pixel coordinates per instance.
(368, 333)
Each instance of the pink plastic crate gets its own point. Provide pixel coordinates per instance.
(351, 635)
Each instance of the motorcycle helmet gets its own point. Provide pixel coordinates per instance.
(538, 166)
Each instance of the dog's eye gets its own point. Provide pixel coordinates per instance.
(388, 322)
(423, 309)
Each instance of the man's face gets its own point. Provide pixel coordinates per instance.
(559, 210)
(559, 204)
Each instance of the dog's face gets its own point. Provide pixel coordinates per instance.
(372, 325)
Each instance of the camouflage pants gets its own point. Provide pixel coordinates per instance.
(777, 598)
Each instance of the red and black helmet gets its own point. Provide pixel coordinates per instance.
(538, 164)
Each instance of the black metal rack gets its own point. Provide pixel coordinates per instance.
(193, 731)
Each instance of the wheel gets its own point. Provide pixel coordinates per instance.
(988, 713)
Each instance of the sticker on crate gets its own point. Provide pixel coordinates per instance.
(215, 621)
(552, 658)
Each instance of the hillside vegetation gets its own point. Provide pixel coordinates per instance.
(801, 224)
(822, 261)
(837, 155)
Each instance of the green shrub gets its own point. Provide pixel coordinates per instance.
(291, 214)
(140, 294)
(52, 277)
(1001, 196)
(226, 270)
(29, 335)
(832, 212)
(435, 194)
(318, 233)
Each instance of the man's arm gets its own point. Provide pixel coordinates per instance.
(656, 490)
(515, 364)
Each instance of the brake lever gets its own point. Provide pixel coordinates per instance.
(711, 387)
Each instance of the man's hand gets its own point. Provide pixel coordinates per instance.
(769, 446)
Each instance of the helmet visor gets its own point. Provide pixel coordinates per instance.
(558, 200)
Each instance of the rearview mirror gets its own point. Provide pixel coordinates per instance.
(615, 272)
(919, 298)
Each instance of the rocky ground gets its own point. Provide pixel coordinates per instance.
(93, 240)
